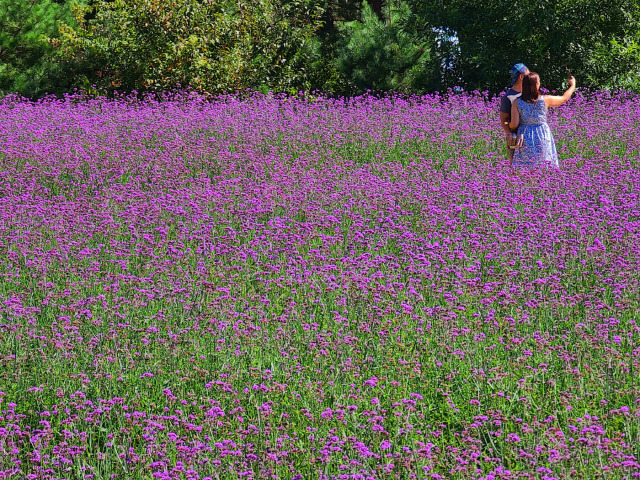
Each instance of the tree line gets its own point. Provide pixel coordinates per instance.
(345, 47)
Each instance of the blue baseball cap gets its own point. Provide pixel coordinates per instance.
(517, 70)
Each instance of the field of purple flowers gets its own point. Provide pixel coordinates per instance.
(276, 288)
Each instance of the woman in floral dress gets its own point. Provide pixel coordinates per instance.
(529, 116)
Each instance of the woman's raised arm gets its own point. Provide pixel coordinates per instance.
(555, 101)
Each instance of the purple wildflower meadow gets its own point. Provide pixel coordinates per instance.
(280, 288)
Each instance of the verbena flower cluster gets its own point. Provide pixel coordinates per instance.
(281, 288)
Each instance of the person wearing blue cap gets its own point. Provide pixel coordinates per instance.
(517, 72)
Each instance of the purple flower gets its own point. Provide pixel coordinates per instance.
(372, 382)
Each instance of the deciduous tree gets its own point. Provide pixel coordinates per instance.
(593, 39)
(213, 45)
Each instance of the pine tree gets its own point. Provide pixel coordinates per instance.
(384, 54)
(27, 66)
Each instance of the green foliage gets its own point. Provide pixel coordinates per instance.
(212, 46)
(344, 46)
(336, 11)
(384, 54)
(25, 55)
(617, 65)
(553, 37)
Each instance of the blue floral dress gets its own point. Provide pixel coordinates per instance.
(538, 148)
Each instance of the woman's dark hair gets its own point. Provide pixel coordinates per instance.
(530, 90)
